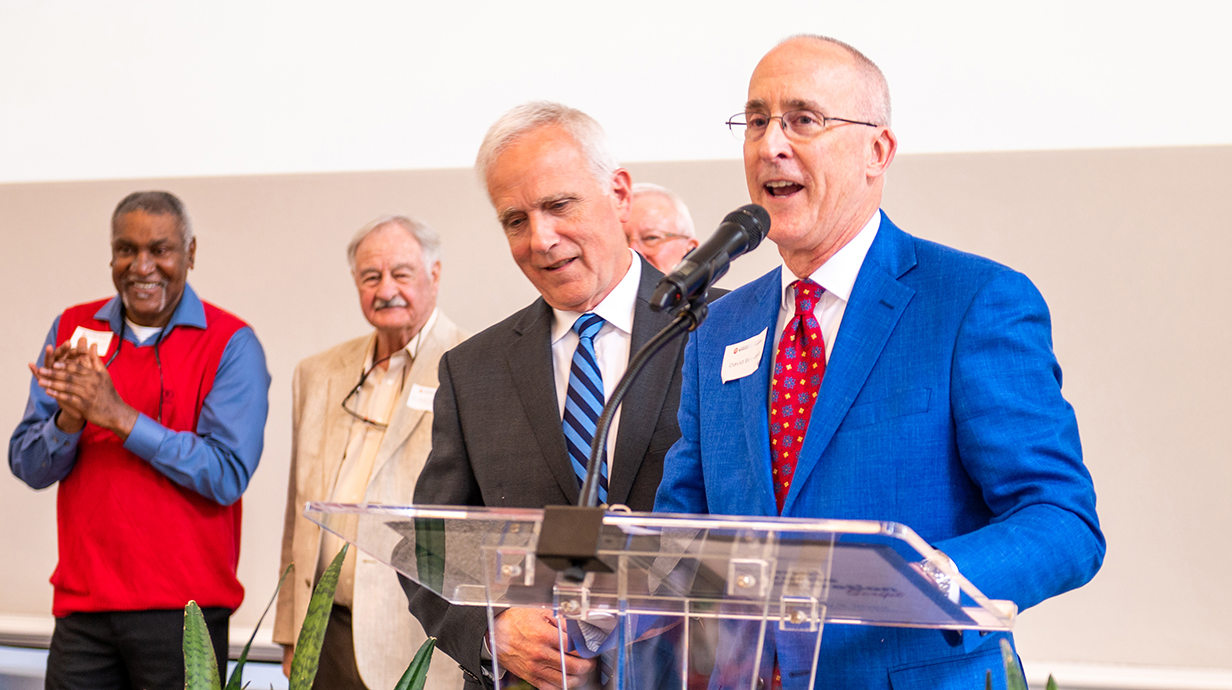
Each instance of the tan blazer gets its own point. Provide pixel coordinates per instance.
(386, 636)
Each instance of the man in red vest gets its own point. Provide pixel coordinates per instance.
(149, 410)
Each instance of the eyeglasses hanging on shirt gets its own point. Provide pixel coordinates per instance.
(157, 360)
(411, 349)
(355, 392)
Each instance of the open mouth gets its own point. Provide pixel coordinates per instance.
(782, 188)
(558, 265)
(144, 287)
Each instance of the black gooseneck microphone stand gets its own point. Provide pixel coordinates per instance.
(569, 537)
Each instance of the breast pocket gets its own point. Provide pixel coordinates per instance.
(898, 405)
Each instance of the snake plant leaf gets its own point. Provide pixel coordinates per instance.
(1013, 672)
(312, 635)
(417, 673)
(200, 664)
(235, 682)
(1052, 683)
(430, 553)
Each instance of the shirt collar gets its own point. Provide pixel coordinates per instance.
(189, 312)
(616, 308)
(838, 275)
(412, 348)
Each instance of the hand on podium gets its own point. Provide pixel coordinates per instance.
(528, 646)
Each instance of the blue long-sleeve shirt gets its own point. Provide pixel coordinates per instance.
(216, 461)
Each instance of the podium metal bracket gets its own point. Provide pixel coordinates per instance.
(515, 566)
(748, 578)
(800, 614)
(572, 599)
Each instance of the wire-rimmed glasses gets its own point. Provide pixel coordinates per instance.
(654, 240)
(355, 391)
(800, 124)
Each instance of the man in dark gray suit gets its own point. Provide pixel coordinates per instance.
(497, 436)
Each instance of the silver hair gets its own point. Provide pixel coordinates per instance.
(428, 239)
(587, 133)
(155, 203)
(876, 99)
(684, 221)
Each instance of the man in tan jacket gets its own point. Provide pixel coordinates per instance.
(361, 431)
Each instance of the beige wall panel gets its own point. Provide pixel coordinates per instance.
(1129, 248)
(1126, 245)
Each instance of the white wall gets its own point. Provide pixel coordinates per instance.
(144, 88)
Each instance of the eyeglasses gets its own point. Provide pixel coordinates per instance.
(355, 391)
(653, 241)
(797, 124)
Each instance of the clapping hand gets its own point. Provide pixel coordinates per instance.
(76, 378)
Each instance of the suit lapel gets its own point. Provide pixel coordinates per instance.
(755, 390)
(529, 358)
(648, 391)
(344, 375)
(877, 303)
(423, 372)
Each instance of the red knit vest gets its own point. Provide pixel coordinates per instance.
(129, 538)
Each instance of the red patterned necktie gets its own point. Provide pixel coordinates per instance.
(798, 368)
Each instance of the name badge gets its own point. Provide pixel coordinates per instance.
(420, 398)
(100, 338)
(743, 358)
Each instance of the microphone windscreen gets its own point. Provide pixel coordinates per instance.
(754, 220)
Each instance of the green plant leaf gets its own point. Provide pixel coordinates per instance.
(200, 664)
(1052, 683)
(235, 682)
(417, 673)
(1013, 672)
(430, 553)
(312, 635)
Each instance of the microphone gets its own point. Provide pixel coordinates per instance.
(739, 233)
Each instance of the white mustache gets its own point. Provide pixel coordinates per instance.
(395, 301)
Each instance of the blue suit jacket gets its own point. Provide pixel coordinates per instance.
(941, 409)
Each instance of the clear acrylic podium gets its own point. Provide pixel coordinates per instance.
(686, 601)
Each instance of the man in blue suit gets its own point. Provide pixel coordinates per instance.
(929, 392)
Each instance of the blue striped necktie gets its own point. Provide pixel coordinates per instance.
(584, 400)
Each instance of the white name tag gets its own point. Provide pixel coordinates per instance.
(100, 338)
(743, 358)
(420, 398)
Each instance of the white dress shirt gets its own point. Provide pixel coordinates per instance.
(612, 345)
(376, 400)
(837, 277)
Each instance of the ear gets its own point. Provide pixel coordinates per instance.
(881, 152)
(436, 275)
(622, 190)
(192, 252)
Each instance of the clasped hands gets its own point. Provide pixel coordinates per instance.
(528, 646)
(77, 379)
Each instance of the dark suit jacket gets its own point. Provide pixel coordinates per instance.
(497, 439)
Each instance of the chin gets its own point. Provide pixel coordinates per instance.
(782, 231)
(142, 310)
(390, 324)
